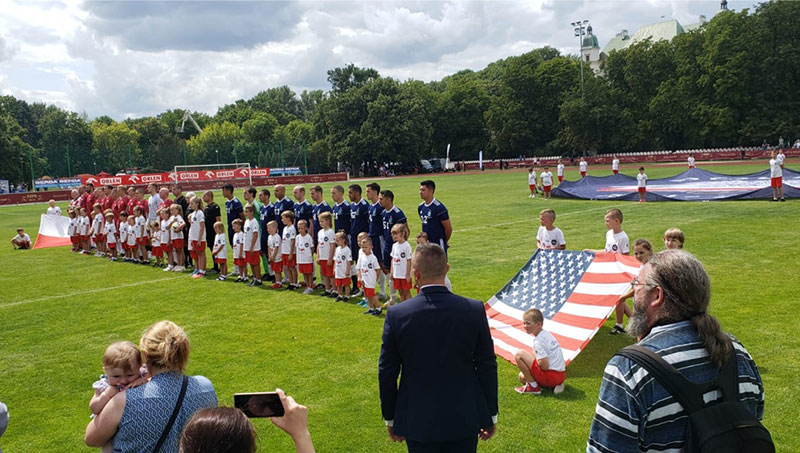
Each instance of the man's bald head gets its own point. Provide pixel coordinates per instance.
(429, 263)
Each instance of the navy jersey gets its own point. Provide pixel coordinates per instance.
(375, 220)
(390, 218)
(266, 214)
(303, 211)
(359, 221)
(316, 210)
(341, 217)
(286, 204)
(233, 210)
(432, 216)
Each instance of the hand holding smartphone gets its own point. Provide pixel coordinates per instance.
(259, 404)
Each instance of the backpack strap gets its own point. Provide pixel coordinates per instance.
(174, 415)
(684, 391)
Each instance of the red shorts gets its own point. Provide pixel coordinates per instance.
(276, 267)
(240, 262)
(252, 258)
(289, 260)
(369, 292)
(197, 245)
(642, 189)
(583, 173)
(546, 189)
(691, 166)
(84, 237)
(157, 251)
(615, 171)
(166, 247)
(532, 187)
(342, 282)
(776, 182)
(75, 239)
(177, 243)
(221, 260)
(307, 268)
(112, 245)
(401, 283)
(141, 241)
(547, 378)
(325, 269)
(99, 237)
(560, 179)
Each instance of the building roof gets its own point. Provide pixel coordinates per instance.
(656, 32)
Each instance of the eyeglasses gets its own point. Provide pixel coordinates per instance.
(635, 282)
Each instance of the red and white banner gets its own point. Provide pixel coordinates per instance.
(173, 177)
(52, 232)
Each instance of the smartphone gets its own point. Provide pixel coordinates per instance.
(259, 404)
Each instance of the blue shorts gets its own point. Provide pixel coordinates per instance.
(378, 248)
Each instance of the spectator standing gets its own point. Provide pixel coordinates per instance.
(439, 345)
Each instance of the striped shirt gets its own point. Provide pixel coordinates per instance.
(635, 413)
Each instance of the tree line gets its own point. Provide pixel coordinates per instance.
(731, 82)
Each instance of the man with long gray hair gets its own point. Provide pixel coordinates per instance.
(670, 317)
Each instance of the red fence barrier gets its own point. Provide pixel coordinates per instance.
(62, 195)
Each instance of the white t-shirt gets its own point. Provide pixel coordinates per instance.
(97, 223)
(84, 225)
(140, 224)
(691, 161)
(221, 242)
(550, 239)
(71, 228)
(615, 164)
(164, 231)
(775, 170)
(545, 346)
(274, 242)
(54, 211)
(123, 232)
(155, 240)
(560, 169)
(132, 233)
(401, 253)
(304, 249)
(547, 178)
(325, 241)
(342, 256)
(251, 232)
(197, 219)
(25, 237)
(111, 233)
(780, 157)
(617, 243)
(641, 180)
(582, 165)
(238, 241)
(152, 207)
(368, 268)
(532, 178)
(289, 233)
(176, 234)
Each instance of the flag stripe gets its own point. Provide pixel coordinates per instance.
(592, 277)
(510, 322)
(589, 299)
(598, 289)
(613, 268)
(589, 311)
(578, 321)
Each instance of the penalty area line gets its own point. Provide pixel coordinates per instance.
(91, 291)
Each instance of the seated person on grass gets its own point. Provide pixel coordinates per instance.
(21, 240)
(545, 367)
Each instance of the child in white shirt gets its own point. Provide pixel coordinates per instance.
(111, 236)
(304, 246)
(549, 237)
(326, 248)
(175, 225)
(238, 250)
(252, 244)
(220, 251)
(547, 182)
(401, 261)
(368, 268)
(288, 255)
(641, 182)
(274, 256)
(342, 259)
(532, 182)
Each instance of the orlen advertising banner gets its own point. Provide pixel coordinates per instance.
(173, 177)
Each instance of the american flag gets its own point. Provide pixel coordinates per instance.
(576, 292)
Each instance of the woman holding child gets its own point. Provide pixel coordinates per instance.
(136, 419)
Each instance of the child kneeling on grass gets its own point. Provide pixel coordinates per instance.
(546, 366)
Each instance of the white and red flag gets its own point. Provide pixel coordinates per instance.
(575, 291)
(52, 232)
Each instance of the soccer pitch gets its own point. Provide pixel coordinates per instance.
(59, 311)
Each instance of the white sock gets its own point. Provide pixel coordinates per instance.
(392, 292)
(533, 384)
(618, 325)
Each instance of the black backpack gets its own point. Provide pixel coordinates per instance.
(723, 426)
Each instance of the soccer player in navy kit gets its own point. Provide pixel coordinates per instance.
(233, 209)
(319, 206)
(302, 208)
(282, 203)
(265, 215)
(376, 230)
(359, 223)
(391, 216)
(340, 211)
(434, 216)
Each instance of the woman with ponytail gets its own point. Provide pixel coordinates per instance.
(151, 417)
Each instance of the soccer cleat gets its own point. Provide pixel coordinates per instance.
(221, 278)
(616, 330)
(308, 291)
(166, 269)
(783, 199)
(558, 389)
(358, 293)
(368, 312)
(198, 275)
(376, 312)
(528, 389)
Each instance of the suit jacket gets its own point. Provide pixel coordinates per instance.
(439, 344)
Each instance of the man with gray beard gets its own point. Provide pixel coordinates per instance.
(670, 317)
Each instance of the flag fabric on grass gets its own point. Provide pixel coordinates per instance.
(575, 291)
(52, 232)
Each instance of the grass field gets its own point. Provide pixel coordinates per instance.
(60, 310)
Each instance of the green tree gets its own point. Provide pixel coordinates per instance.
(350, 76)
(115, 146)
(16, 154)
(217, 140)
(58, 130)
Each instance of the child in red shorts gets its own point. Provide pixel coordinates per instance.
(368, 268)
(342, 258)
(220, 251)
(326, 248)
(274, 253)
(155, 243)
(288, 246)
(546, 366)
(304, 251)
(401, 261)
(641, 182)
(239, 259)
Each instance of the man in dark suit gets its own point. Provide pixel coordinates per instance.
(439, 344)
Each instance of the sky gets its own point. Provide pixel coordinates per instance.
(132, 59)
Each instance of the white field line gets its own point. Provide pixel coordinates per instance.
(535, 220)
(60, 296)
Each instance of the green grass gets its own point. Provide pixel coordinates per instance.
(59, 311)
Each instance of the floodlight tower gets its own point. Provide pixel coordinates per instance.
(580, 30)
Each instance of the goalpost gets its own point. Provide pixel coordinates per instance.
(220, 171)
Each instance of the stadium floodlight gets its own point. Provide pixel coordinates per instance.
(579, 27)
